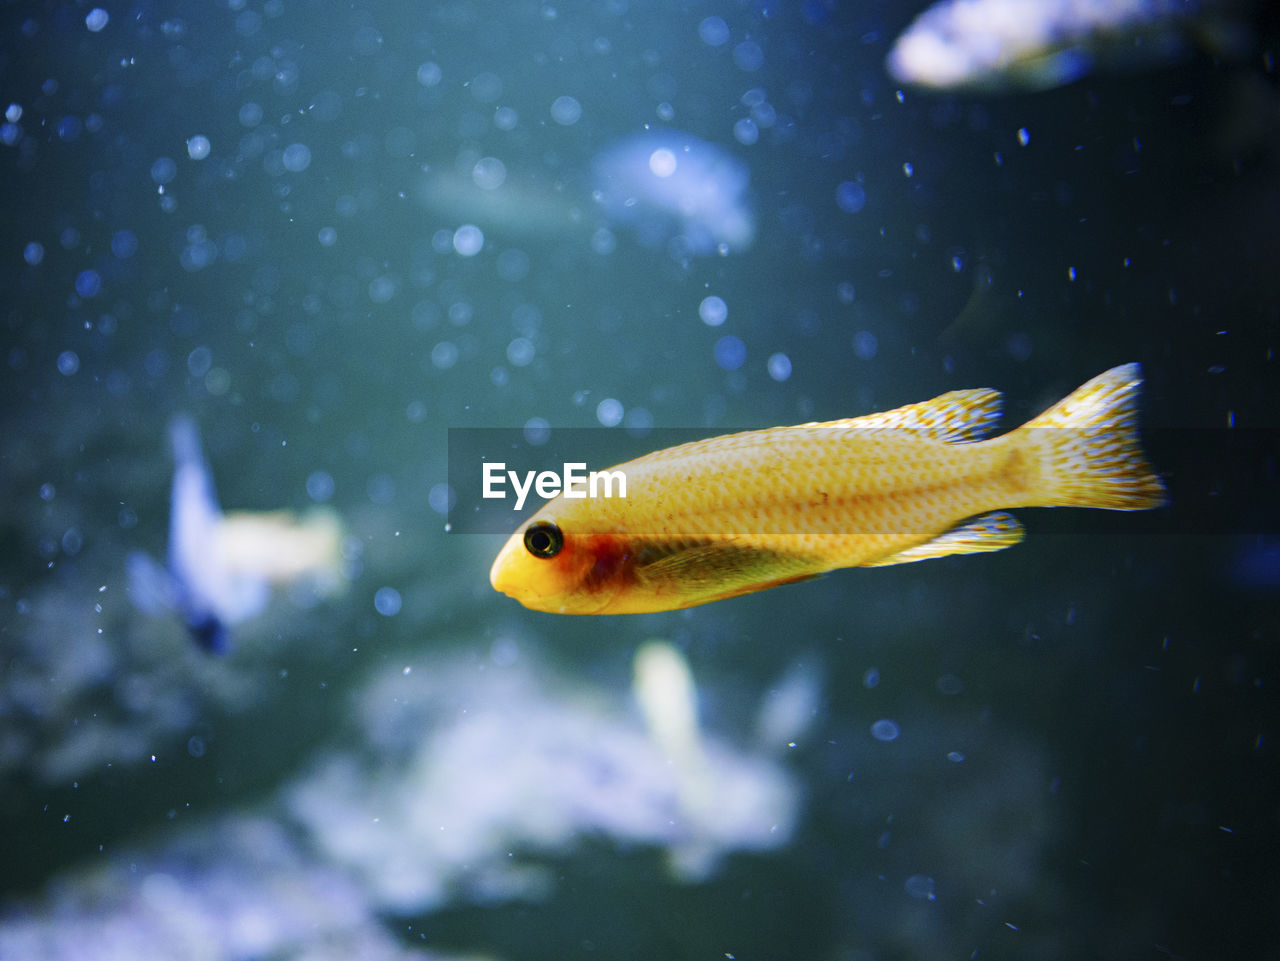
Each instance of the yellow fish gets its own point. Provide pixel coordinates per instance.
(744, 512)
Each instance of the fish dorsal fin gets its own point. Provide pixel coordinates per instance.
(990, 532)
(957, 417)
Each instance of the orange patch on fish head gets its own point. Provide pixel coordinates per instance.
(549, 569)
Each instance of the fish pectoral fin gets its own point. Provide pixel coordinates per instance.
(767, 585)
(718, 562)
(989, 532)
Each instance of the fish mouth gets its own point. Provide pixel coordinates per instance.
(502, 577)
(497, 573)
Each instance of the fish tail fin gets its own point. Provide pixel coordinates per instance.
(1089, 446)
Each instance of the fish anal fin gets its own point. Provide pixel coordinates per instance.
(989, 532)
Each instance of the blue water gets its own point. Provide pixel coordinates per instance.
(330, 233)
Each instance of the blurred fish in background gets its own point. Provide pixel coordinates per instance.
(502, 199)
(463, 763)
(462, 781)
(666, 187)
(1011, 45)
(222, 567)
(671, 187)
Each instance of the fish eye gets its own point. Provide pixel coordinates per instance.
(543, 539)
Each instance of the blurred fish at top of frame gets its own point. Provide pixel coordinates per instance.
(665, 187)
(221, 567)
(1005, 46)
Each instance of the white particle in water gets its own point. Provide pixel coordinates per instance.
(430, 74)
(444, 355)
(520, 352)
(779, 367)
(505, 118)
(662, 162)
(320, 486)
(468, 240)
(713, 31)
(537, 431)
(609, 412)
(489, 173)
(748, 56)
(919, 886)
(851, 196)
(713, 311)
(441, 498)
(387, 601)
(296, 157)
(885, 730)
(566, 111)
(865, 344)
(163, 170)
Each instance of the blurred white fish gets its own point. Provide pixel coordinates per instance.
(510, 204)
(472, 772)
(671, 186)
(222, 566)
(1008, 45)
(665, 187)
(664, 688)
